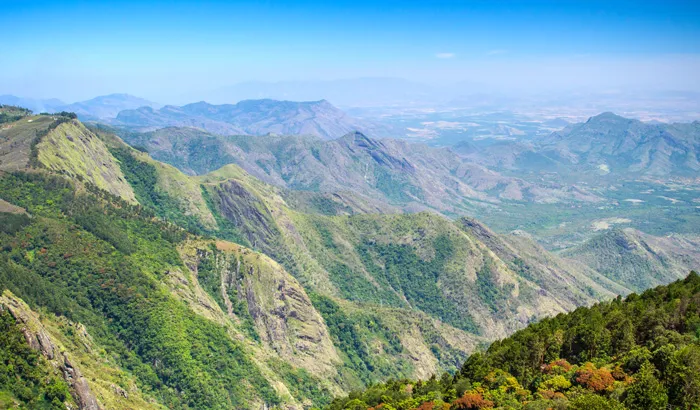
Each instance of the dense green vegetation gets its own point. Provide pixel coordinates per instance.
(301, 384)
(143, 178)
(351, 332)
(640, 353)
(392, 290)
(415, 278)
(98, 260)
(26, 378)
(10, 113)
(11, 223)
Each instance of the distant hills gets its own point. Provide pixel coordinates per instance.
(34, 104)
(98, 108)
(605, 145)
(412, 176)
(107, 106)
(282, 273)
(253, 117)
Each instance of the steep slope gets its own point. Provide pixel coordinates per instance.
(254, 117)
(106, 106)
(79, 230)
(69, 148)
(63, 145)
(417, 261)
(57, 346)
(638, 260)
(640, 353)
(103, 263)
(352, 262)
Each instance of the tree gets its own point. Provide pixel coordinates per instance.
(597, 380)
(475, 368)
(472, 401)
(646, 393)
(595, 402)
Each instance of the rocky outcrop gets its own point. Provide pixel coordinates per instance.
(277, 305)
(79, 386)
(39, 339)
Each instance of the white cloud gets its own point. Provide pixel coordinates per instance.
(445, 55)
(497, 51)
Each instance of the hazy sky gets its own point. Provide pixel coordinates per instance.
(75, 50)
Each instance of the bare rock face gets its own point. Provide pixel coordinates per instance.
(284, 317)
(275, 302)
(38, 339)
(79, 386)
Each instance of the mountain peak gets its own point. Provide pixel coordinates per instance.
(607, 117)
(357, 138)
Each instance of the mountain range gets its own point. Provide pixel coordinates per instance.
(605, 146)
(106, 106)
(253, 117)
(411, 176)
(99, 108)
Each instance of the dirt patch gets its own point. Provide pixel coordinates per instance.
(9, 208)
(226, 246)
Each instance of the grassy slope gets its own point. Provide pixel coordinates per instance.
(111, 385)
(75, 151)
(105, 222)
(461, 273)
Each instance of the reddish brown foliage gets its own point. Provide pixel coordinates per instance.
(428, 405)
(597, 380)
(472, 401)
(556, 365)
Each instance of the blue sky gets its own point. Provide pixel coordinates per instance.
(78, 49)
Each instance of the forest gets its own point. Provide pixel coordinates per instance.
(637, 353)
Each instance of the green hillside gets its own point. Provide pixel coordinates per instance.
(220, 290)
(636, 259)
(638, 353)
(158, 304)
